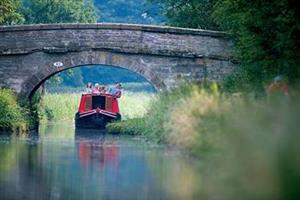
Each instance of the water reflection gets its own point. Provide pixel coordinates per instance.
(58, 164)
(93, 149)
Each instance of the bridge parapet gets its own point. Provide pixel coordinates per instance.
(113, 26)
(125, 38)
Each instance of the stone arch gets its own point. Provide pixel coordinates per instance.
(78, 59)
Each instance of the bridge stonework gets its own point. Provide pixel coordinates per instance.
(165, 56)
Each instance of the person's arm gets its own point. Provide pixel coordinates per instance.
(119, 94)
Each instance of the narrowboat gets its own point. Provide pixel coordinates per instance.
(96, 110)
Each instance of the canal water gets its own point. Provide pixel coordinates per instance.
(61, 163)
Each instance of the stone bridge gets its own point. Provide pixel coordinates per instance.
(165, 56)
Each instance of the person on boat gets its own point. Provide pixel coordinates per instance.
(89, 88)
(96, 89)
(102, 89)
(117, 90)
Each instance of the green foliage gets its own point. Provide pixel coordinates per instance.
(108, 74)
(59, 11)
(159, 112)
(248, 148)
(156, 117)
(258, 152)
(12, 116)
(189, 13)
(34, 116)
(71, 77)
(129, 127)
(59, 107)
(10, 12)
(73, 11)
(128, 11)
(54, 80)
(266, 35)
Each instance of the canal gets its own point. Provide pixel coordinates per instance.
(62, 163)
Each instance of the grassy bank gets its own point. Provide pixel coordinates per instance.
(248, 147)
(63, 106)
(13, 117)
(131, 87)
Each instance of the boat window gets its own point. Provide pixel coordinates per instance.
(98, 102)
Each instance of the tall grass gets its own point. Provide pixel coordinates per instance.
(135, 105)
(248, 147)
(62, 107)
(59, 107)
(131, 87)
(157, 115)
(258, 145)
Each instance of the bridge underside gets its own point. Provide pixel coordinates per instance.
(165, 57)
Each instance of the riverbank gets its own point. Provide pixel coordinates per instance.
(13, 116)
(63, 106)
(17, 116)
(249, 147)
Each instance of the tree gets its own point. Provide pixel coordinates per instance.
(188, 13)
(72, 77)
(266, 36)
(59, 11)
(10, 14)
(129, 11)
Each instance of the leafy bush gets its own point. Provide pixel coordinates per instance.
(11, 114)
(128, 127)
(188, 13)
(9, 10)
(266, 36)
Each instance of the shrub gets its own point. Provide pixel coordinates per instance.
(12, 116)
(258, 153)
(128, 127)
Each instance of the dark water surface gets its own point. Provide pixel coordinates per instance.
(61, 163)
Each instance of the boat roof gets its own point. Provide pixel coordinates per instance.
(93, 94)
